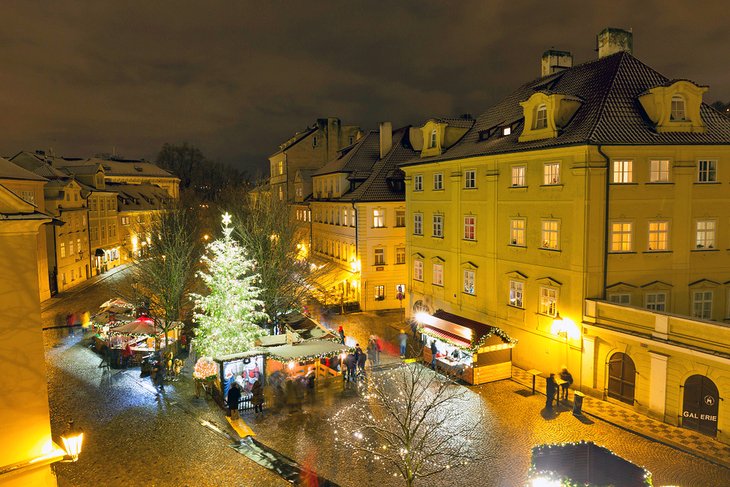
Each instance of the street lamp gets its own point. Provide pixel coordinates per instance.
(73, 439)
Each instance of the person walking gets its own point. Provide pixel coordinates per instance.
(568, 378)
(158, 376)
(414, 329)
(257, 397)
(373, 351)
(550, 389)
(234, 397)
(341, 332)
(403, 342)
(434, 352)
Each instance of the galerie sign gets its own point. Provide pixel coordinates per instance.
(700, 405)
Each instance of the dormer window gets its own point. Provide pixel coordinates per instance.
(540, 117)
(432, 141)
(678, 109)
(507, 131)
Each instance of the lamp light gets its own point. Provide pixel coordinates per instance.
(73, 439)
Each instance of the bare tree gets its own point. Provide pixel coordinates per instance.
(414, 420)
(165, 274)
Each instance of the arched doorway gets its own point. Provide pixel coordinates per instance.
(700, 405)
(621, 378)
(420, 307)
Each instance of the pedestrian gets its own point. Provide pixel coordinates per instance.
(341, 332)
(184, 342)
(434, 352)
(234, 397)
(158, 376)
(373, 351)
(351, 363)
(127, 355)
(403, 341)
(568, 378)
(550, 390)
(257, 397)
(414, 329)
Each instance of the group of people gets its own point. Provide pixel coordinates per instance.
(233, 398)
(552, 389)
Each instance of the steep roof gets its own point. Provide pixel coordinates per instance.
(10, 170)
(357, 159)
(610, 114)
(113, 167)
(298, 137)
(139, 197)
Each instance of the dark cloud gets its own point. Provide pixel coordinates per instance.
(237, 78)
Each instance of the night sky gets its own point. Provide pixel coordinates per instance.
(238, 78)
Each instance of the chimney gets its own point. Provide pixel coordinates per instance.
(554, 61)
(611, 40)
(386, 138)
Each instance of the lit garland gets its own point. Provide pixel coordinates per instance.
(205, 369)
(553, 476)
(475, 345)
(307, 358)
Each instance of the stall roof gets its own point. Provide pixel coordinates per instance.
(460, 330)
(306, 348)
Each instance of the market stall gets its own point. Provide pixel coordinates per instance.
(466, 349)
(142, 335)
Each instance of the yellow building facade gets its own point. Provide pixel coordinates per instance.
(600, 183)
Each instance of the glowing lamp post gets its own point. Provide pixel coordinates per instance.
(565, 328)
(72, 439)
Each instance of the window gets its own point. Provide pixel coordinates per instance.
(621, 233)
(417, 224)
(418, 270)
(400, 255)
(551, 173)
(418, 182)
(470, 179)
(658, 235)
(71, 248)
(540, 117)
(62, 249)
(622, 172)
(518, 175)
(619, 298)
(125, 220)
(281, 193)
(656, 301)
(379, 293)
(379, 256)
(469, 281)
(298, 191)
(470, 227)
(353, 222)
(659, 171)
(378, 218)
(28, 196)
(706, 171)
(702, 304)
(314, 141)
(438, 226)
(705, 234)
(678, 112)
(517, 227)
(505, 131)
(434, 137)
(438, 274)
(550, 234)
(548, 301)
(400, 218)
(438, 181)
(344, 216)
(515, 293)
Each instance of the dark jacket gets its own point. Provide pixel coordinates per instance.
(257, 392)
(550, 386)
(434, 350)
(234, 396)
(567, 377)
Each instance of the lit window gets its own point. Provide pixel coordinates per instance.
(659, 171)
(518, 175)
(470, 179)
(548, 301)
(550, 234)
(438, 181)
(706, 171)
(417, 224)
(71, 248)
(344, 216)
(656, 301)
(658, 235)
(281, 193)
(418, 182)
(434, 137)
(506, 131)
(678, 112)
(28, 196)
(400, 218)
(619, 298)
(551, 173)
(62, 249)
(438, 274)
(400, 255)
(517, 228)
(622, 172)
(280, 167)
(470, 227)
(621, 236)
(378, 218)
(379, 293)
(418, 270)
(379, 256)
(515, 293)
(702, 304)
(352, 217)
(438, 226)
(540, 117)
(705, 234)
(469, 281)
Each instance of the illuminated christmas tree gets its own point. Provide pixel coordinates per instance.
(227, 316)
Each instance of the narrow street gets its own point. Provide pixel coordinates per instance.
(136, 437)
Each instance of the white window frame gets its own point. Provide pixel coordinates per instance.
(418, 224)
(437, 225)
(548, 304)
(519, 176)
(656, 301)
(622, 172)
(619, 298)
(470, 228)
(438, 181)
(418, 270)
(516, 293)
(702, 303)
(622, 236)
(517, 232)
(658, 240)
(470, 179)
(678, 109)
(706, 234)
(469, 281)
(707, 171)
(62, 250)
(345, 214)
(438, 274)
(659, 171)
(551, 173)
(550, 234)
(400, 218)
(540, 117)
(379, 292)
(379, 256)
(378, 218)
(433, 139)
(400, 255)
(418, 182)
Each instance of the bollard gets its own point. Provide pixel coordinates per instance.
(578, 403)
